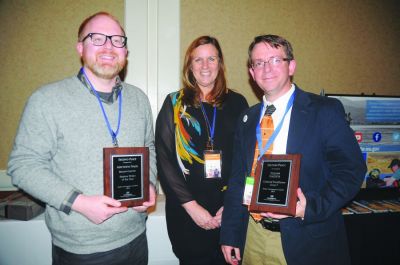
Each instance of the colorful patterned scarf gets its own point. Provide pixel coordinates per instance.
(184, 146)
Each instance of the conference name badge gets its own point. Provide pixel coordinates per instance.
(248, 190)
(212, 163)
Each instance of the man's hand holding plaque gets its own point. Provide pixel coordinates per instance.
(151, 202)
(275, 188)
(97, 208)
(300, 208)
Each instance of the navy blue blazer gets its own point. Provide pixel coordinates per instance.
(331, 172)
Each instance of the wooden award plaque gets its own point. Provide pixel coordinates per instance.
(276, 183)
(126, 174)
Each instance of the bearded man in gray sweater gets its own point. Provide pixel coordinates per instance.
(58, 152)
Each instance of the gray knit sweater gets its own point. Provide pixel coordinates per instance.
(59, 148)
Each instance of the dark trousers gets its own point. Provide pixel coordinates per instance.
(135, 253)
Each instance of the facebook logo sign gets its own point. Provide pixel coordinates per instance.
(377, 137)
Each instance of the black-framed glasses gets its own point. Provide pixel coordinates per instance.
(99, 39)
(273, 61)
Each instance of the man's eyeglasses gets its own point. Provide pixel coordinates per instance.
(99, 39)
(273, 61)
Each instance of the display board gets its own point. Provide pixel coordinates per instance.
(375, 121)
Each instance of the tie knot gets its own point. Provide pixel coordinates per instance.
(270, 109)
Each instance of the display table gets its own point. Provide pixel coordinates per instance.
(29, 242)
(374, 238)
(25, 242)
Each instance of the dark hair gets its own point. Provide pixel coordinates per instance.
(274, 41)
(191, 91)
(101, 13)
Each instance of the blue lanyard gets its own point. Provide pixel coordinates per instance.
(112, 133)
(209, 127)
(276, 131)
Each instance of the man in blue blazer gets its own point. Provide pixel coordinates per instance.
(331, 172)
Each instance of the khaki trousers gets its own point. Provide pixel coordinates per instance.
(263, 247)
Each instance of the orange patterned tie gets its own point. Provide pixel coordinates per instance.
(267, 128)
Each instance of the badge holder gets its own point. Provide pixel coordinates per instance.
(212, 163)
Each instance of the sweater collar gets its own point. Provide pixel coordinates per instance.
(108, 98)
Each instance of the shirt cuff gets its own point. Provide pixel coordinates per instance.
(66, 206)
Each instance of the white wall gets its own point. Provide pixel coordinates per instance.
(152, 27)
